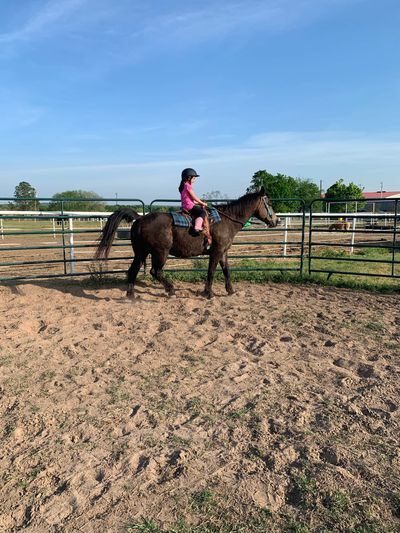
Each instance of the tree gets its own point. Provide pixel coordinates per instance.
(339, 191)
(77, 201)
(280, 187)
(25, 191)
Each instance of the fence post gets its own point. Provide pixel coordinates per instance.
(395, 233)
(303, 227)
(71, 243)
(285, 237)
(353, 227)
(310, 231)
(63, 236)
(2, 228)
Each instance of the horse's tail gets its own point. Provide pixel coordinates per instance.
(109, 230)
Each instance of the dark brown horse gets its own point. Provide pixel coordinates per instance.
(155, 235)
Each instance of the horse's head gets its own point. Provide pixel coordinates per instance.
(264, 210)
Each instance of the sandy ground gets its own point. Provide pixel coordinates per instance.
(276, 409)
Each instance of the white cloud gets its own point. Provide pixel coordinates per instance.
(365, 159)
(131, 29)
(204, 19)
(43, 20)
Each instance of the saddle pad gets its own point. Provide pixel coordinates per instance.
(185, 221)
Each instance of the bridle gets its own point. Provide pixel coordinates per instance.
(267, 206)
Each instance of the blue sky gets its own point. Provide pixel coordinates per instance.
(117, 96)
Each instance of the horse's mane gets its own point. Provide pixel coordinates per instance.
(239, 207)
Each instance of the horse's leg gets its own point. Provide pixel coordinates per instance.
(157, 264)
(225, 269)
(132, 273)
(212, 265)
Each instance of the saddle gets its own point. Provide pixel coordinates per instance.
(185, 220)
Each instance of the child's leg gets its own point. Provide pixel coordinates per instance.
(198, 224)
(198, 214)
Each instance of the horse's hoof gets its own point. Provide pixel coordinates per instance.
(231, 292)
(207, 295)
(131, 296)
(171, 295)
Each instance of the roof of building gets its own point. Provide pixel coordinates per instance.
(384, 195)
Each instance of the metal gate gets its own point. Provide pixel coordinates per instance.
(60, 243)
(346, 242)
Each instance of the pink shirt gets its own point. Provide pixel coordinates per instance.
(186, 201)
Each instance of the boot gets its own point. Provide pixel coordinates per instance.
(198, 226)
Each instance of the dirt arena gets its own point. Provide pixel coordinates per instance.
(276, 409)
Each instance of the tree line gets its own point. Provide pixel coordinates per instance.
(25, 199)
(288, 193)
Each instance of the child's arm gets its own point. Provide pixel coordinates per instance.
(196, 199)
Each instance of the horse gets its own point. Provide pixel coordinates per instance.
(154, 234)
(340, 226)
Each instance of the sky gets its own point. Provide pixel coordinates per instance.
(117, 97)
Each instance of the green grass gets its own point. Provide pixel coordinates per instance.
(359, 263)
(277, 270)
(213, 522)
(203, 500)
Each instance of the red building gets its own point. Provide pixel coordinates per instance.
(381, 201)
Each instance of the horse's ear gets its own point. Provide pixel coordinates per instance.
(262, 191)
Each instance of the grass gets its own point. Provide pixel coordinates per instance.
(97, 270)
(204, 511)
(337, 503)
(360, 262)
(213, 521)
(117, 394)
(203, 500)
(375, 326)
(277, 271)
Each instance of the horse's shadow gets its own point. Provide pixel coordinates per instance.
(92, 291)
(72, 287)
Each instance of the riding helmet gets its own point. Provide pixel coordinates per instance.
(188, 173)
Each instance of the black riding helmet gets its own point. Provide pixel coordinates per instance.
(188, 173)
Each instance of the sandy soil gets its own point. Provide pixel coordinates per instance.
(276, 409)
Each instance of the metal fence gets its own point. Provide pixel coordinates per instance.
(366, 244)
(61, 243)
(58, 243)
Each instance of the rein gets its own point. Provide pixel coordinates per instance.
(230, 218)
(262, 200)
